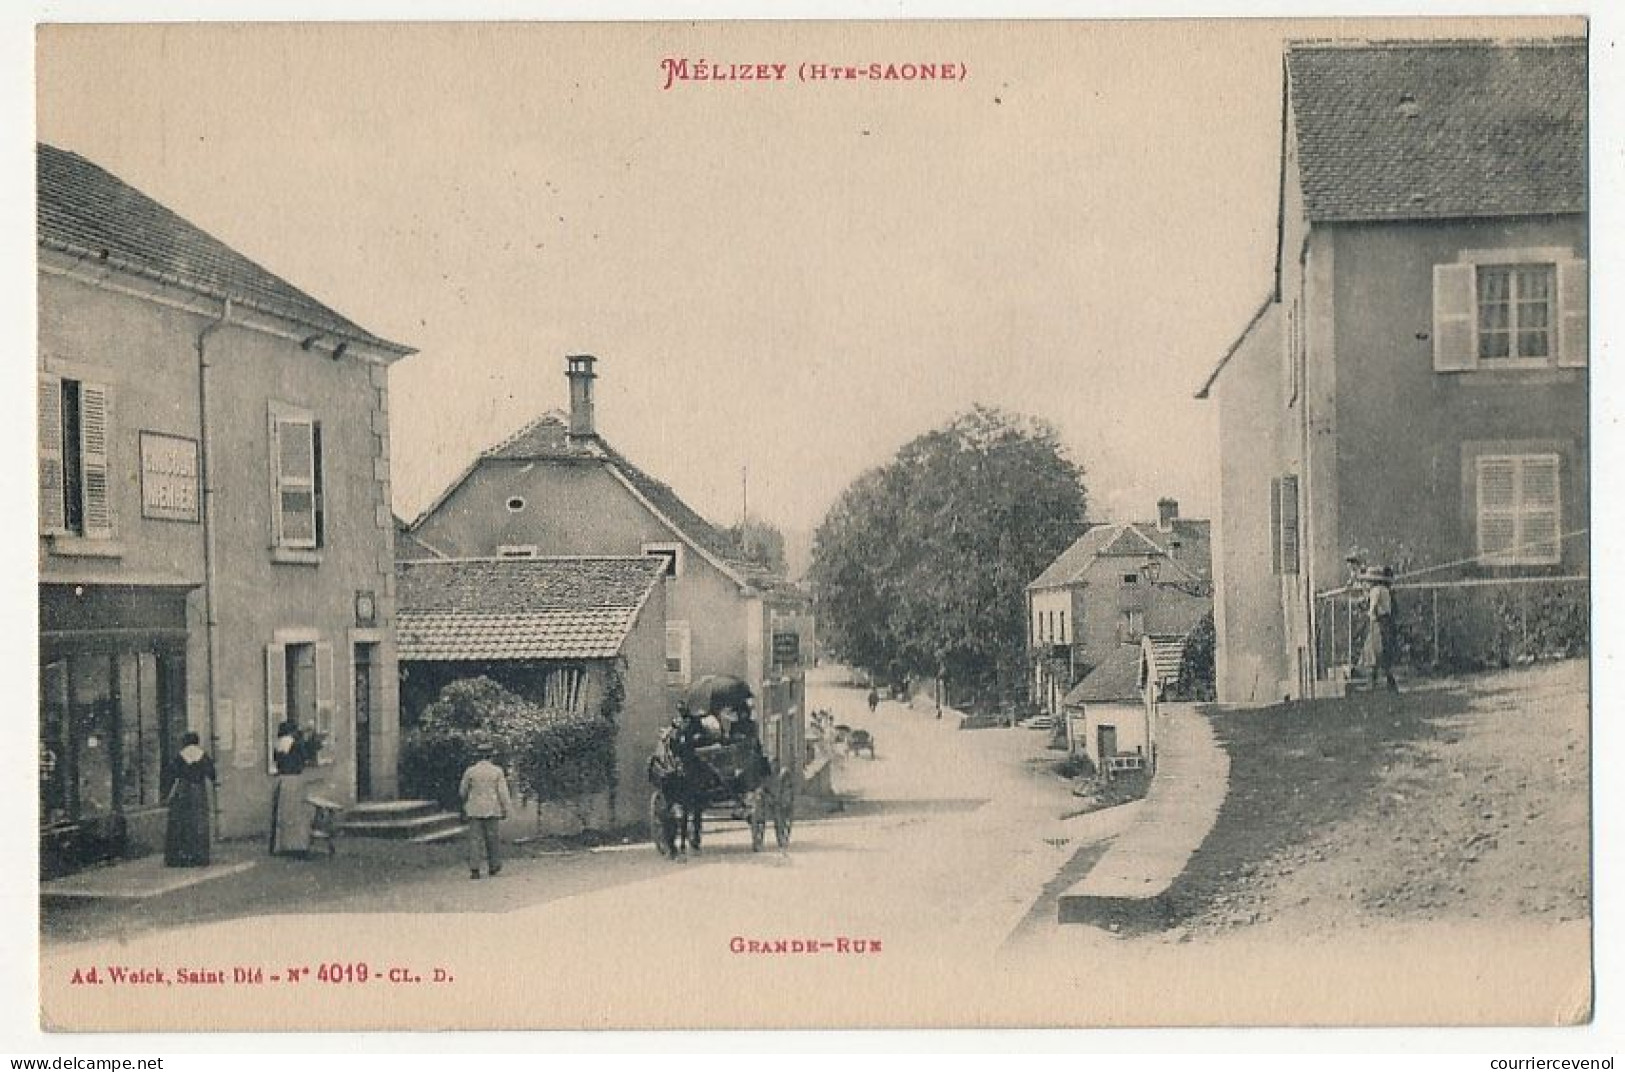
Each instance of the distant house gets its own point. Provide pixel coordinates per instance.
(557, 488)
(1111, 715)
(1114, 585)
(569, 634)
(214, 524)
(1414, 389)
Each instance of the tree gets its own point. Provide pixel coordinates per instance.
(921, 566)
(759, 543)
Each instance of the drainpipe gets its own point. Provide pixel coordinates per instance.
(210, 624)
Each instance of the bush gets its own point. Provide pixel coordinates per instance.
(550, 755)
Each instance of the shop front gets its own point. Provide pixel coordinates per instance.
(112, 712)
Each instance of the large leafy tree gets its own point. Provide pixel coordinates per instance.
(760, 543)
(921, 565)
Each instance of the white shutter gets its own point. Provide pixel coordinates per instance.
(1540, 510)
(1455, 317)
(324, 694)
(53, 516)
(1497, 508)
(1573, 317)
(95, 430)
(293, 464)
(276, 698)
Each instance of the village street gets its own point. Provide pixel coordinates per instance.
(945, 843)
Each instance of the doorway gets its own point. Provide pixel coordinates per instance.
(364, 705)
(1106, 739)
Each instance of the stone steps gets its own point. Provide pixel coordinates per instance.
(418, 821)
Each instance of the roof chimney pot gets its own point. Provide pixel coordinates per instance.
(579, 370)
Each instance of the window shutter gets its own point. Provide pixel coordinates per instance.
(1455, 317)
(678, 650)
(95, 426)
(1289, 524)
(1497, 506)
(1573, 317)
(276, 698)
(275, 437)
(324, 692)
(317, 506)
(1275, 525)
(1540, 510)
(53, 516)
(293, 468)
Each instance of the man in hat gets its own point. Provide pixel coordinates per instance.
(1379, 633)
(484, 792)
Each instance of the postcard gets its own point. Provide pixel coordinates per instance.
(702, 525)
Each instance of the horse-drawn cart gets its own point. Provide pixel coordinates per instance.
(710, 763)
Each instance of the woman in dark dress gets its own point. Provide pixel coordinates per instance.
(186, 841)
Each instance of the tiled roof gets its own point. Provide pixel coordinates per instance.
(1136, 539)
(520, 608)
(1434, 130)
(85, 210)
(1115, 680)
(547, 439)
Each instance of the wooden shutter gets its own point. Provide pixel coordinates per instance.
(325, 693)
(95, 428)
(1540, 510)
(276, 698)
(1275, 525)
(678, 650)
(53, 516)
(1289, 524)
(1497, 508)
(1573, 316)
(293, 493)
(1455, 317)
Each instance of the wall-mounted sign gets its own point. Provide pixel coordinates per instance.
(170, 489)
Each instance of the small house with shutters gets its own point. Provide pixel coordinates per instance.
(215, 534)
(1414, 387)
(584, 635)
(556, 487)
(1116, 584)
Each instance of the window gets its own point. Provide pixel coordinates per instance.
(296, 465)
(1062, 636)
(299, 686)
(74, 424)
(516, 504)
(1132, 626)
(1510, 309)
(517, 550)
(1292, 351)
(1515, 311)
(671, 552)
(1519, 509)
(679, 648)
(1131, 578)
(1284, 525)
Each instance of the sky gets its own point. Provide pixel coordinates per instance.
(786, 278)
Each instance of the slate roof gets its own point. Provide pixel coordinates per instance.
(1115, 680)
(86, 211)
(1136, 539)
(547, 439)
(520, 608)
(1499, 128)
(410, 547)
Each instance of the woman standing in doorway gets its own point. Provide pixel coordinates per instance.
(186, 839)
(291, 816)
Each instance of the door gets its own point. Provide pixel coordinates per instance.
(1106, 738)
(363, 721)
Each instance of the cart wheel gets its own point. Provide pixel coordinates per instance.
(784, 810)
(661, 827)
(758, 818)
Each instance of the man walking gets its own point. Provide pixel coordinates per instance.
(484, 792)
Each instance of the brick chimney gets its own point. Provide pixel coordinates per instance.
(578, 368)
(1167, 511)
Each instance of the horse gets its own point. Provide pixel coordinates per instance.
(682, 786)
